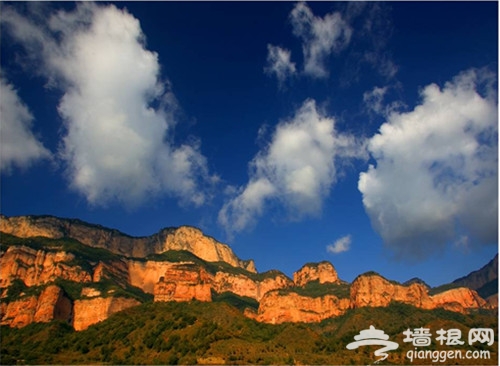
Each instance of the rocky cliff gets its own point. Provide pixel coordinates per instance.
(323, 272)
(368, 290)
(373, 290)
(277, 308)
(35, 267)
(52, 303)
(185, 282)
(182, 238)
(91, 311)
(98, 280)
(65, 269)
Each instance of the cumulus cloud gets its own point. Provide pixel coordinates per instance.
(297, 169)
(18, 145)
(436, 175)
(118, 113)
(320, 37)
(279, 63)
(341, 245)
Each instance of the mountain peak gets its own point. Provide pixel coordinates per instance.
(182, 238)
(323, 272)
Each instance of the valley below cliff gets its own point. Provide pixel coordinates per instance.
(73, 278)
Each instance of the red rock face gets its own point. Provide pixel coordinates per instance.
(323, 272)
(374, 290)
(51, 304)
(275, 308)
(184, 283)
(459, 299)
(37, 267)
(92, 311)
(242, 285)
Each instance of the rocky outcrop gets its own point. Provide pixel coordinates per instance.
(147, 274)
(458, 299)
(184, 282)
(278, 308)
(51, 304)
(316, 292)
(182, 238)
(242, 285)
(323, 272)
(95, 310)
(369, 290)
(374, 290)
(204, 247)
(116, 270)
(36, 267)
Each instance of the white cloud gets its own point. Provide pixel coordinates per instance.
(341, 245)
(297, 169)
(117, 146)
(320, 37)
(374, 101)
(279, 63)
(18, 145)
(436, 171)
(374, 98)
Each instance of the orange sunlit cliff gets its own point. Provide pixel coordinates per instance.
(53, 268)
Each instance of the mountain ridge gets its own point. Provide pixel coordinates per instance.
(91, 282)
(96, 235)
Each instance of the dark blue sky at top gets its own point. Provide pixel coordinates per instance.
(214, 54)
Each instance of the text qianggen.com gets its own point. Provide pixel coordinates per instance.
(445, 355)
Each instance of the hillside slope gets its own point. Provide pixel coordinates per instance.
(217, 333)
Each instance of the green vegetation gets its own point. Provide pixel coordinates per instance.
(106, 287)
(197, 332)
(239, 302)
(18, 290)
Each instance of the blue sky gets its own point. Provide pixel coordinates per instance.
(364, 134)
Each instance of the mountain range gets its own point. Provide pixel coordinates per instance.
(79, 273)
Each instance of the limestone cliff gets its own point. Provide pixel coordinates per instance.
(368, 290)
(458, 299)
(36, 267)
(323, 272)
(242, 285)
(184, 282)
(278, 308)
(74, 279)
(182, 238)
(91, 311)
(374, 290)
(52, 303)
